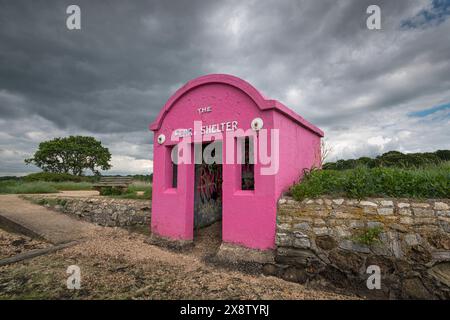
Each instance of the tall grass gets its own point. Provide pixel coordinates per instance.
(361, 182)
(14, 186)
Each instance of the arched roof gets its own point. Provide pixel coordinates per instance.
(262, 102)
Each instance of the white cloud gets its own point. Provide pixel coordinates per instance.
(122, 164)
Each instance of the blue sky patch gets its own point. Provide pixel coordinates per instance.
(438, 13)
(426, 112)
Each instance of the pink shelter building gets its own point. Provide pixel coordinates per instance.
(263, 147)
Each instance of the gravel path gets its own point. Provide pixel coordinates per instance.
(12, 244)
(118, 264)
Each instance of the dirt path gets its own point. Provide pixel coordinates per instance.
(52, 226)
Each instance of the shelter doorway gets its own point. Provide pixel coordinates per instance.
(208, 188)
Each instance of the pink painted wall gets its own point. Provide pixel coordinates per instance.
(249, 217)
(299, 150)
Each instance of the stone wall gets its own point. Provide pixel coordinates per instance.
(103, 211)
(335, 240)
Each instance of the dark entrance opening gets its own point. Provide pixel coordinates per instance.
(208, 186)
(208, 201)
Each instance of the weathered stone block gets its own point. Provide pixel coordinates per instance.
(353, 246)
(302, 243)
(356, 224)
(441, 255)
(387, 203)
(385, 211)
(370, 210)
(405, 212)
(422, 205)
(341, 232)
(407, 220)
(319, 222)
(441, 272)
(302, 226)
(343, 215)
(412, 239)
(283, 227)
(426, 220)
(420, 212)
(321, 231)
(368, 204)
(443, 213)
(283, 239)
(374, 224)
(300, 257)
(441, 206)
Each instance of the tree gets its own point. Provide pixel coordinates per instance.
(444, 155)
(71, 154)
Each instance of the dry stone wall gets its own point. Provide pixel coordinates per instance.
(337, 239)
(102, 211)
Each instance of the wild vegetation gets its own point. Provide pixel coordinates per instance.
(50, 182)
(20, 186)
(393, 159)
(136, 190)
(430, 180)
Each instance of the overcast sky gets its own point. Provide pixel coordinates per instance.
(371, 91)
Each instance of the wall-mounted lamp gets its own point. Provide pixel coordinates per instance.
(161, 138)
(257, 124)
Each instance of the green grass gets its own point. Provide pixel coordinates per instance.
(361, 182)
(57, 177)
(14, 186)
(132, 191)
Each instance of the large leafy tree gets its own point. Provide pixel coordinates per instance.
(72, 154)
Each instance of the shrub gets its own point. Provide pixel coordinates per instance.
(444, 155)
(432, 182)
(132, 191)
(369, 236)
(53, 177)
(111, 191)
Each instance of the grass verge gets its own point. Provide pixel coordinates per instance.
(361, 182)
(14, 186)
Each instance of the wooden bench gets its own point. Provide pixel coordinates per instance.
(121, 183)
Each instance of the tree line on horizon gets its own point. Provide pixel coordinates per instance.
(392, 159)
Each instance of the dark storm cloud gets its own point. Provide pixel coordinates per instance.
(132, 51)
(111, 78)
